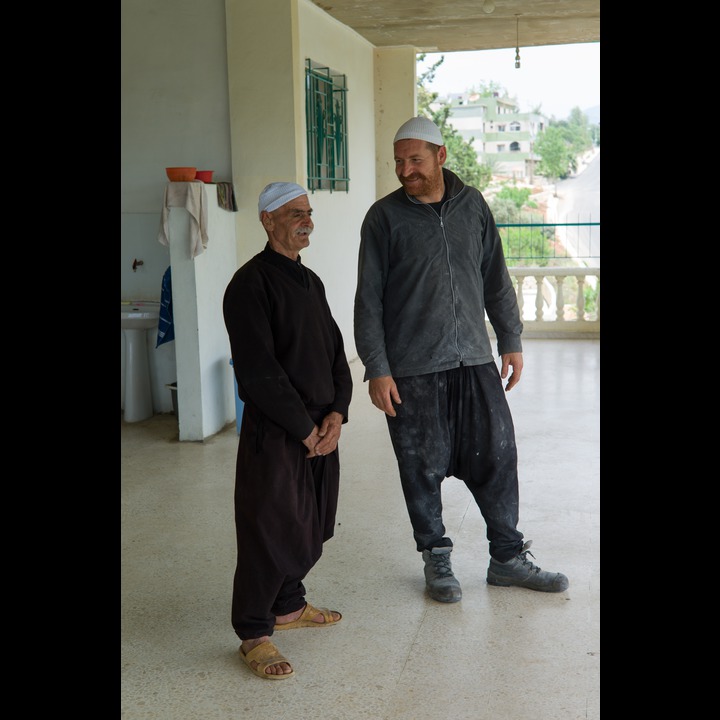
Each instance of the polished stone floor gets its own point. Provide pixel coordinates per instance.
(499, 654)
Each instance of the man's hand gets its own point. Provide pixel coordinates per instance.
(383, 392)
(329, 433)
(324, 439)
(516, 360)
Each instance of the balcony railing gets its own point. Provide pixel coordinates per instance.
(558, 294)
(553, 306)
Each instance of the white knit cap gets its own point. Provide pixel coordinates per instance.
(419, 128)
(276, 194)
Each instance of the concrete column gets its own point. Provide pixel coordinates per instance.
(395, 71)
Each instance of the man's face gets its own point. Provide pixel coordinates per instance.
(419, 169)
(289, 226)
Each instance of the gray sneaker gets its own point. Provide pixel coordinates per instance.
(523, 573)
(440, 582)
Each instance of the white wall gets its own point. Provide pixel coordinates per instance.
(337, 216)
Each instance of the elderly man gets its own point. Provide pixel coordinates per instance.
(293, 376)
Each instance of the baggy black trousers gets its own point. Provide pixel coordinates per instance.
(285, 507)
(458, 423)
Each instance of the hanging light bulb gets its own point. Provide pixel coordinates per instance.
(517, 41)
(488, 6)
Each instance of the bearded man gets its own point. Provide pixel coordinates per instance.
(430, 267)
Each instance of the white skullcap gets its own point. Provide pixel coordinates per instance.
(419, 128)
(276, 194)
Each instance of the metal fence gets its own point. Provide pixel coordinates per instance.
(543, 243)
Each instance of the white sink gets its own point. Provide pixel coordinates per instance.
(136, 318)
(141, 315)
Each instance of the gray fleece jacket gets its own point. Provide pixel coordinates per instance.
(425, 282)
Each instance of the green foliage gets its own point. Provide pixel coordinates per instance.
(492, 163)
(518, 196)
(590, 294)
(424, 96)
(487, 170)
(523, 246)
(556, 157)
(560, 144)
(489, 88)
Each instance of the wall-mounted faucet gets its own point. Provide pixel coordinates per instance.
(136, 262)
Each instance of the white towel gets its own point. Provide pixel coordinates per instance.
(191, 196)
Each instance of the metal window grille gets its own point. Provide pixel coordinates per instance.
(326, 119)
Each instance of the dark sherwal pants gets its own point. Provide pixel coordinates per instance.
(285, 508)
(458, 423)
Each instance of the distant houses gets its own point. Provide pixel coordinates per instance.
(502, 136)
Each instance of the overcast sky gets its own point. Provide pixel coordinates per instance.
(556, 77)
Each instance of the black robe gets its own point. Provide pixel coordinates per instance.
(290, 365)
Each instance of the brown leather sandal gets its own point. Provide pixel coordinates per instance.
(265, 654)
(306, 619)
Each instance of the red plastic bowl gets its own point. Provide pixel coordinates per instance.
(204, 175)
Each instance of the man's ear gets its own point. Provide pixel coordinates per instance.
(442, 155)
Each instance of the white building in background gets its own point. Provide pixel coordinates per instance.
(501, 135)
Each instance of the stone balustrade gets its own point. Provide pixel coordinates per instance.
(552, 301)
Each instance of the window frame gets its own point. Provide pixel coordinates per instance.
(326, 123)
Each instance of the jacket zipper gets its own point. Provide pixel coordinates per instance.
(452, 282)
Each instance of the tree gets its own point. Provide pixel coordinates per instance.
(424, 96)
(523, 244)
(518, 196)
(556, 155)
(574, 133)
(489, 89)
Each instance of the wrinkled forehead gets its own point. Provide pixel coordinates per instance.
(296, 206)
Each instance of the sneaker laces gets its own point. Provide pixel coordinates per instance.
(522, 555)
(441, 564)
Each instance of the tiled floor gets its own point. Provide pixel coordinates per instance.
(499, 654)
